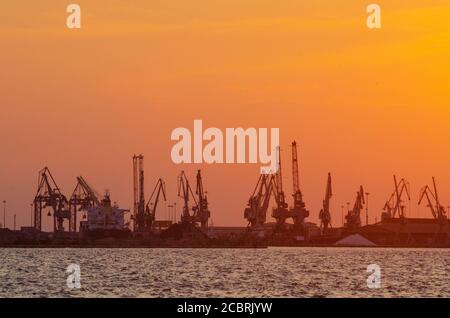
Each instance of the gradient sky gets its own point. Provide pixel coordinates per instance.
(362, 104)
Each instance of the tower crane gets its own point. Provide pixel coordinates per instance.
(298, 212)
(280, 212)
(394, 205)
(202, 214)
(433, 203)
(83, 198)
(48, 195)
(353, 217)
(324, 214)
(152, 203)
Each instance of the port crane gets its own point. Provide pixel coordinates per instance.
(433, 203)
(139, 197)
(298, 212)
(353, 217)
(83, 197)
(324, 214)
(394, 205)
(48, 195)
(203, 213)
(258, 203)
(280, 212)
(152, 203)
(200, 208)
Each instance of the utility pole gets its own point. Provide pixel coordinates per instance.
(4, 214)
(170, 206)
(175, 216)
(367, 208)
(14, 222)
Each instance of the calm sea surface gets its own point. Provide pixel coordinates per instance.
(273, 272)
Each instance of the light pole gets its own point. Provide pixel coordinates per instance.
(170, 206)
(367, 208)
(175, 212)
(4, 214)
(31, 214)
(342, 215)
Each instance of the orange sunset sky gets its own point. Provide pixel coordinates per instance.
(362, 104)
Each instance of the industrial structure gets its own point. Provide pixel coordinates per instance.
(258, 203)
(394, 206)
(437, 210)
(49, 195)
(144, 214)
(269, 185)
(102, 218)
(65, 211)
(83, 198)
(324, 214)
(280, 212)
(353, 217)
(200, 210)
(298, 212)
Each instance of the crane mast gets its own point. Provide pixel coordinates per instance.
(139, 197)
(202, 214)
(280, 212)
(324, 214)
(298, 212)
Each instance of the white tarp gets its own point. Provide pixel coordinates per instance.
(355, 240)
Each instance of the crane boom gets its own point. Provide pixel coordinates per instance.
(152, 203)
(435, 206)
(393, 206)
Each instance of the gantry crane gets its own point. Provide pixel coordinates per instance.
(298, 212)
(324, 214)
(139, 196)
(433, 203)
(394, 206)
(152, 204)
(280, 212)
(353, 217)
(83, 198)
(203, 213)
(258, 203)
(49, 196)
